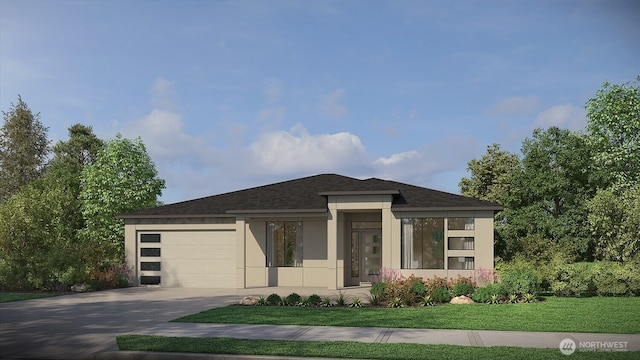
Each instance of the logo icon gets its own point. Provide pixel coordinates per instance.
(567, 346)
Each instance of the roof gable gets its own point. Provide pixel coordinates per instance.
(310, 194)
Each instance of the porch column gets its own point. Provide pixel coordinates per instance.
(332, 247)
(240, 252)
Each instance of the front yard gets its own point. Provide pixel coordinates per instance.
(554, 314)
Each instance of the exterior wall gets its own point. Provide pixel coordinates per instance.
(313, 272)
(483, 243)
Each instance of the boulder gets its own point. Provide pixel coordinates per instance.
(79, 288)
(249, 300)
(461, 300)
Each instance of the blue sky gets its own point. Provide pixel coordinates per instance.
(232, 94)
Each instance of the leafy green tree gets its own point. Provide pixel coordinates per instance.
(613, 122)
(37, 247)
(23, 148)
(490, 176)
(490, 179)
(614, 218)
(548, 197)
(123, 179)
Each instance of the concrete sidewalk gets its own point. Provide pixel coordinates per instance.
(390, 335)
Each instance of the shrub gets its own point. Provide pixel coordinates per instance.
(394, 303)
(356, 302)
(462, 288)
(433, 283)
(326, 302)
(426, 301)
(483, 276)
(292, 299)
(387, 275)
(314, 299)
(274, 299)
(112, 277)
(484, 294)
(574, 280)
(341, 299)
(417, 287)
(262, 301)
(377, 289)
(519, 281)
(440, 294)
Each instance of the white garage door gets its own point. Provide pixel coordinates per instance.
(205, 259)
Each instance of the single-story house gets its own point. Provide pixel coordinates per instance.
(319, 231)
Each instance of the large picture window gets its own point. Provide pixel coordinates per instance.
(284, 244)
(423, 243)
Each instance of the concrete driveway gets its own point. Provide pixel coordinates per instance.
(80, 325)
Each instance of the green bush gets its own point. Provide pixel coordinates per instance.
(274, 299)
(462, 288)
(615, 279)
(293, 299)
(519, 281)
(484, 294)
(417, 288)
(574, 280)
(377, 289)
(440, 294)
(314, 299)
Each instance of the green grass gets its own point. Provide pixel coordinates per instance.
(17, 296)
(347, 349)
(555, 314)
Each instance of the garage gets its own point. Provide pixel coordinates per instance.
(192, 259)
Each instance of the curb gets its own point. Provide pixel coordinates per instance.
(151, 355)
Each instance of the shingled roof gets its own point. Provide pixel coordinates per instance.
(309, 194)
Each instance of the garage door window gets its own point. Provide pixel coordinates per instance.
(284, 244)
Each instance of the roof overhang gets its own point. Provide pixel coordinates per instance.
(442, 208)
(181, 216)
(359, 192)
(278, 211)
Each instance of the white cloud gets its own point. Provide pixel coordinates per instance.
(563, 116)
(330, 104)
(296, 151)
(513, 106)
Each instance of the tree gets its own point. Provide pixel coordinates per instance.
(65, 169)
(490, 175)
(123, 179)
(490, 179)
(23, 148)
(37, 247)
(615, 220)
(548, 197)
(613, 122)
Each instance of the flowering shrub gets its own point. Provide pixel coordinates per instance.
(114, 276)
(484, 277)
(387, 275)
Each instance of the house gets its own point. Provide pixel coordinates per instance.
(319, 231)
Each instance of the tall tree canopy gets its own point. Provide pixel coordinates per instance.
(613, 122)
(123, 179)
(23, 148)
(490, 176)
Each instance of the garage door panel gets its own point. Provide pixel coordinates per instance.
(198, 259)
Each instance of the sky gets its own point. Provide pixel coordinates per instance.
(228, 95)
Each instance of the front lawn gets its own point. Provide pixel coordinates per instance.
(554, 314)
(17, 296)
(347, 349)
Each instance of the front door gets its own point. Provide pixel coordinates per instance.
(371, 254)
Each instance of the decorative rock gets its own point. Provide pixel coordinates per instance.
(461, 300)
(79, 288)
(249, 300)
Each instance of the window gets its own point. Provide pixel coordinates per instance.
(461, 263)
(461, 243)
(150, 266)
(423, 243)
(149, 280)
(460, 224)
(284, 244)
(150, 252)
(149, 238)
